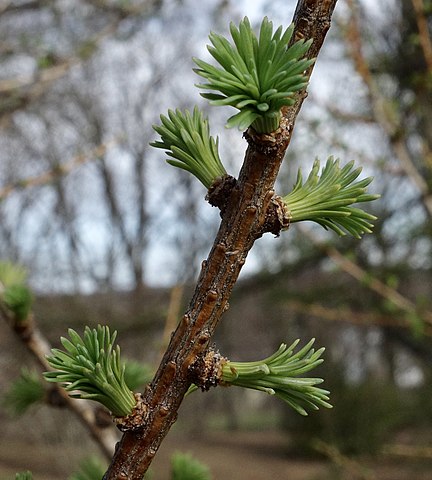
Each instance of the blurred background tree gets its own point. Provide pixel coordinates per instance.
(83, 207)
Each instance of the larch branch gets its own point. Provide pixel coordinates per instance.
(243, 222)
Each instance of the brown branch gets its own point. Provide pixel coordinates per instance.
(385, 291)
(28, 332)
(409, 451)
(352, 467)
(243, 221)
(347, 315)
(424, 34)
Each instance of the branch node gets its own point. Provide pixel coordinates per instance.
(163, 411)
(206, 371)
(203, 338)
(186, 320)
(268, 143)
(135, 420)
(219, 193)
(212, 296)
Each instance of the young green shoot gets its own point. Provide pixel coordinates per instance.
(186, 139)
(327, 199)
(24, 476)
(90, 468)
(14, 293)
(25, 391)
(90, 368)
(257, 75)
(185, 467)
(281, 375)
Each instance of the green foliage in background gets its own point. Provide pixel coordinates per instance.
(137, 374)
(26, 391)
(24, 476)
(90, 469)
(14, 293)
(353, 426)
(11, 274)
(185, 467)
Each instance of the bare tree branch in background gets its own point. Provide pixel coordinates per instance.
(17, 93)
(396, 132)
(424, 33)
(60, 170)
(366, 278)
(92, 102)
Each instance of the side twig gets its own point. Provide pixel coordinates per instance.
(424, 34)
(385, 291)
(347, 315)
(28, 332)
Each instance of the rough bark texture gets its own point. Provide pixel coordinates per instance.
(248, 213)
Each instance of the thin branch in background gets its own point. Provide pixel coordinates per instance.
(10, 6)
(335, 141)
(18, 92)
(347, 315)
(393, 130)
(410, 451)
(364, 277)
(173, 314)
(60, 170)
(125, 9)
(345, 116)
(424, 34)
(425, 40)
(353, 468)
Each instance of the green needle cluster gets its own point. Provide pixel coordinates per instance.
(185, 467)
(279, 375)
(14, 293)
(11, 274)
(90, 469)
(26, 391)
(327, 199)
(24, 476)
(137, 374)
(18, 299)
(90, 368)
(257, 75)
(186, 139)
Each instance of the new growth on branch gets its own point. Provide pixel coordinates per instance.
(258, 75)
(264, 77)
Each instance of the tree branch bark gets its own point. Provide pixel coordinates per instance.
(243, 222)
